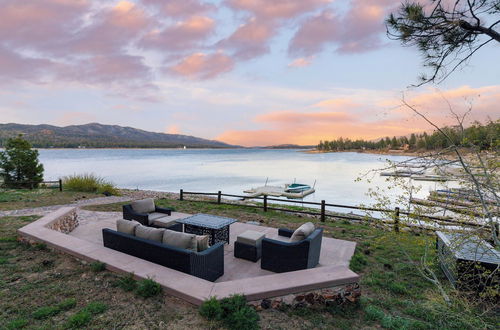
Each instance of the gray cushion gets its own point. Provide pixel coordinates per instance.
(144, 205)
(251, 237)
(180, 240)
(202, 242)
(155, 215)
(154, 234)
(126, 226)
(302, 232)
(163, 222)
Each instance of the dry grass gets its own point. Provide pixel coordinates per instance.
(22, 199)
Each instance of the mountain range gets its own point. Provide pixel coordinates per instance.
(95, 135)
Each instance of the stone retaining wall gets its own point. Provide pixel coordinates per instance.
(338, 295)
(65, 223)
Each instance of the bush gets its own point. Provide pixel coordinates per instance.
(211, 309)
(89, 183)
(148, 288)
(98, 266)
(232, 312)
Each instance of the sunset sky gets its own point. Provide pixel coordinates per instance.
(247, 72)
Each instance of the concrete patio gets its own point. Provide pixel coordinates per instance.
(240, 276)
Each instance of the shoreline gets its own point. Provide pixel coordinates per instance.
(374, 152)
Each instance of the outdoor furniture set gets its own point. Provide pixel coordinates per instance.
(147, 232)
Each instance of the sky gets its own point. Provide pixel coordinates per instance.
(246, 72)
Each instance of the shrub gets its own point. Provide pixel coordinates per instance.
(89, 183)
(98, 266)
(78, 320)
(19, 165)
(45, 312)
(127, 283)
(96, 307)
(148, 288)
(232, 312)
(211, 309)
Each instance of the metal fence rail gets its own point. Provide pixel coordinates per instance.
(394, 214)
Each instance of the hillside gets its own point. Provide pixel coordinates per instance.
(96, 135)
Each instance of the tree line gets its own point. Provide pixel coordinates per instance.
(482, 136)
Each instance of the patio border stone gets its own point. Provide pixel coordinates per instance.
(178, 284)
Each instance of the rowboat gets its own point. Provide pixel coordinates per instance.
(297, 187)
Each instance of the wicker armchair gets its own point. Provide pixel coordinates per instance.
(280, 257)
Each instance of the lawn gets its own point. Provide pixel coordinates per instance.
(35, 281)
(15, 199)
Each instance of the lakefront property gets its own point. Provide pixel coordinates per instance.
(249, 164)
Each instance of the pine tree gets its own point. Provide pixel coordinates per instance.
(19, 165)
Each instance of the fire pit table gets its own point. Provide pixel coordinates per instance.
(206, 224)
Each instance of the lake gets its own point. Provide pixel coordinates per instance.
(228, 170)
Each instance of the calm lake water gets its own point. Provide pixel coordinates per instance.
(230, 171)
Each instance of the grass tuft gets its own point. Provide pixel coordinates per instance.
(89, 183)
(232, 312)
(96, 307)
(127, 283)
(148, 288)
(98, 266)
(78, 320)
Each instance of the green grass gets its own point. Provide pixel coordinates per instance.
(98, 266)
(147, 288)
(394, 294)
(89, 183)
(15, 199)
(232, 312)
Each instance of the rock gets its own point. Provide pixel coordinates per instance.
(299, 298)
(276, 303)
(265, 304)
(310, 298)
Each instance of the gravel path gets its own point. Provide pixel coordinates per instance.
(84, 202)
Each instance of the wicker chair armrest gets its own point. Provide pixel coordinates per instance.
(165, 210)
(285, 232)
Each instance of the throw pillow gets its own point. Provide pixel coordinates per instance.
(302, 232)
(203, 241)
(153, 234)
(180, 240)
(126, 226)
(144, 205)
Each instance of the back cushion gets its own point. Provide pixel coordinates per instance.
(126, 226)
(144, 205)
(153, 234)
(180, 240)
(202, 242)
(302, 232)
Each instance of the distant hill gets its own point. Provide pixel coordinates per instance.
(96, 135)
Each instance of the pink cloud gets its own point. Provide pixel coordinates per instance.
(181, 36)
(203, 66)
(359, 30)
(180, 8)
(14, 66)
(287, 118)
(250, 39)
(301, 62)
(173, 129)
(276, 9)
(124, 69)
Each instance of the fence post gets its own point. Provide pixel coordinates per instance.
(218, 197)
(60, 184)
(265, 203)
(323, 211)
(181, 195)
(396, 219)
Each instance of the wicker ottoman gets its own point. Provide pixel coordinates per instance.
(248, 245)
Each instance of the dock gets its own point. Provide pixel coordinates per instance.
(276, 191)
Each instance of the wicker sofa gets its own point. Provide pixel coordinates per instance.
(208, 264)
(280, 257)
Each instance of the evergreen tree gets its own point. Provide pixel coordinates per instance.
(19, 165)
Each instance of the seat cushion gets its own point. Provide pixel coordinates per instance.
(126, 226)
(302, 232)
(144, 205)
(155, 215)
(153, 234)
(180, 240)
(202, 242)
(163, 222)
(251, 237)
